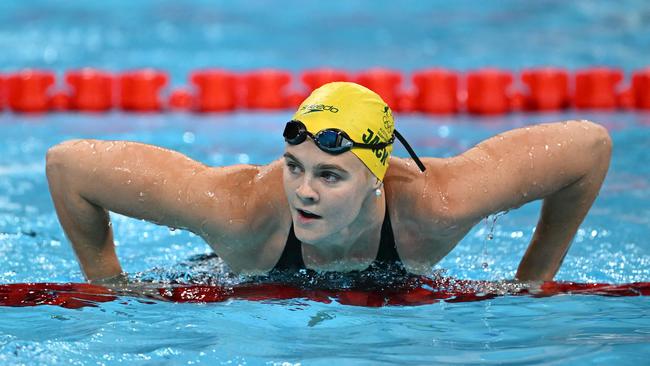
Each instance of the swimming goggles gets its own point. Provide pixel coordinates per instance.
(334, 141)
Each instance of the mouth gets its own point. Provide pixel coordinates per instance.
(306, 215)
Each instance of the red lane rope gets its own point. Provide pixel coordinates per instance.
(487, 91)
(419, 291)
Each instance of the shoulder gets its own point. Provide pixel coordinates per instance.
(425, 196)
(245, 216)
(427, 217)
(242, 196)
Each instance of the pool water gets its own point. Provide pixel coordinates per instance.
(611, 246)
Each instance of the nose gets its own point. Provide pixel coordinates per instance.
(305, 192)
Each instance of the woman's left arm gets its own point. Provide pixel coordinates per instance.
(562, 163)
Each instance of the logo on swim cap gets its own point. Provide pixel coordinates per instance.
(388, 118)
(318, 108)
(371, 138)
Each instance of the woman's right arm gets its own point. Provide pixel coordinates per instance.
(89, 178)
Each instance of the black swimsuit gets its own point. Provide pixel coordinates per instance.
(385, 272)
(387, 257)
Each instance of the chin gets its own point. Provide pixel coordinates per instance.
(306, 236)
(309, 236)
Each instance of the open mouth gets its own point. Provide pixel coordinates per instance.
(307, 214)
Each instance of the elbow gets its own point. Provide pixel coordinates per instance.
(598, 141)
(53, 160)
(601, 143)
(58, 158)
(597, 145)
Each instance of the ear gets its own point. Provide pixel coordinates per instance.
(377, 184)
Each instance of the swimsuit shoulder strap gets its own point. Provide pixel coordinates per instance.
(387, 252)
(291, 257)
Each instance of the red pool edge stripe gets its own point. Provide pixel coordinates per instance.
(419, 291)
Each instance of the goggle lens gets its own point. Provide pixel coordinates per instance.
(328, 139)
(294, 133)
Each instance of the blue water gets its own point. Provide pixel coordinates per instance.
(611, 246)
(180, 36)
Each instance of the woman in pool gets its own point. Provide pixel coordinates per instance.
(333, 202)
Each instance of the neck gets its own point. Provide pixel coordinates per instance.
(354, 247)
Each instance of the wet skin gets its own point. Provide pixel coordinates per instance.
(244, 212)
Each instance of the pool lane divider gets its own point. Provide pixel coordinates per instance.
(437, 91)
(415, 291)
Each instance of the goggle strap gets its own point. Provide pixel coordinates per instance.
(374, 146)
(410, 150)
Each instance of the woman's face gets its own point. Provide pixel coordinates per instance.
(325, 192)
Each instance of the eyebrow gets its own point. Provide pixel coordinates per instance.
(326, 166)
(290, 156)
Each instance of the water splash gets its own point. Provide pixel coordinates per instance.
(490, 223)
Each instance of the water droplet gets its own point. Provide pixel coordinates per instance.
(243, 158)
(188, 137)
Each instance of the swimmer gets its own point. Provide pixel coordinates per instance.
(335, 201)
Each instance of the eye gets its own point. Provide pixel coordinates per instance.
(330, 177)
(293, 168)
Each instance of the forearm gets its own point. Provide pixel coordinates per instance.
(561, 216)
(86, 225)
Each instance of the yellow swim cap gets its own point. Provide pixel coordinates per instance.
(358, 111)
